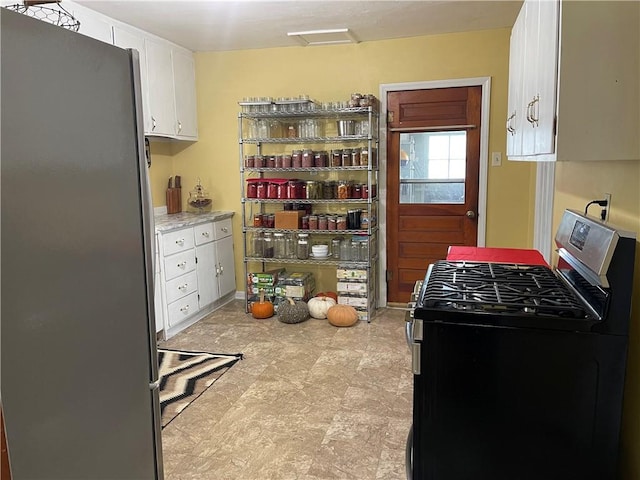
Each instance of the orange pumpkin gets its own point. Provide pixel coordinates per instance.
(342, 315)
(262, 309)
(333, 295)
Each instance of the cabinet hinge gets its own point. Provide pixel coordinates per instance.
(196, 259)
(389, 275)
(389, 117)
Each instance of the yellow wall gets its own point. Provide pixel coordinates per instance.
(332, 73)
(576, 184)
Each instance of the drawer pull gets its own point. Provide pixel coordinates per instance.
(205, 234)
(185, 309)
(221, 269)
(224, 229)
(184, 287)
(180, 241)
(182, 264)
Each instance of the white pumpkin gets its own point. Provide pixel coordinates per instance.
(318, 306)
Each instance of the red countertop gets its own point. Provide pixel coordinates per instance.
(498, 255)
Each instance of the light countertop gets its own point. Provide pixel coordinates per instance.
(165, 222)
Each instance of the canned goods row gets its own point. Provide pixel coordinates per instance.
(307, 158)
(283, 189)
(353, 220)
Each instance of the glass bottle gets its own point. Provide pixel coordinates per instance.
(290, 245)
(355, 251)
(303, 246)
(345, 250)
(335, 248)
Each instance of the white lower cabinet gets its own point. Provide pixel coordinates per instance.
(197, 273)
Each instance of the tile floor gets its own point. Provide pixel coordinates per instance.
(309, 401)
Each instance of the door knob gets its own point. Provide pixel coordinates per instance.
(470, 214)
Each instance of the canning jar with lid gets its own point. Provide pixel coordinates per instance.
(303, 246)
(268, 245)
(252, 188)
(257, 220)
(346, 157)
(307, 158)
(261, 189)
(331, 222)
(257, 245)
(272, 189)
(290, 245)
(279, 246)
(312, 188)
(364, 157)
(305, 222)
(294, 188)
(286, 161)
(249, 161)
(258, 161)
(336, 158)
(341, 222)
(279, 161)
(313, 222)
(322, 222)
(335, 248)
(357, 191)
(343, 189)
(320, 159)
(356, 156)
(296, 159)
(270, 162)
(269, 220)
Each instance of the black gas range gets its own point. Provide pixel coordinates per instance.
(519, 369)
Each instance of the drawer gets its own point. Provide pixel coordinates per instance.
(178, 241)
(179, 264)
(182, 309)
(203, 233)
(222, 229)
(181, 286)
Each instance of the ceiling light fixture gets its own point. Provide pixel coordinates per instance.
(331, 36)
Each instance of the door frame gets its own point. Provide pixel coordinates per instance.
(485, 83)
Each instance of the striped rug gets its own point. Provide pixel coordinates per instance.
(184, 376)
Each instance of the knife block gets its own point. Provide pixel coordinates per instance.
(174, 200)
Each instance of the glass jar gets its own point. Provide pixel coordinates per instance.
(261, 189)
(312, 188)
(345, 249)
(364, 157)
(335, 248)
(354, 251)
(279, 161)
(336, 158)
(290, 246)
(270, 161)
(257, 220)
(331, 222)
(322, 222)
(327, 190)
(302, 250)
(258, 161)
(364, 220)
(357, 191)
(341, 222)
(313, 222)
(305, 222)
(296, 159)
(252, 188)
(346, 157)
(269, 220)
(279, 246)
(364, 251)
(343, 189)
(286, 161)
(268, 245)
(257, 245)
(356, 156)
(249, 161)
(320, 159)
(307, 158)
(272, 190)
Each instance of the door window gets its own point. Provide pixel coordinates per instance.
(432, 167)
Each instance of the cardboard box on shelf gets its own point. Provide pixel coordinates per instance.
(265, 279)
(352, 288)
(353, 301)
(351, 274)
(289, 219)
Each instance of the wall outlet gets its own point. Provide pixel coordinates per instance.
(496, 159)
(607, 209)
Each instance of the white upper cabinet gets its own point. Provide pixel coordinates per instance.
(574, 82)
(161, 92)
(128, 38)
(184, 79)
(166, 70)
(92, 24)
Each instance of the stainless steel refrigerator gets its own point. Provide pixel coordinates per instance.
(78, 353)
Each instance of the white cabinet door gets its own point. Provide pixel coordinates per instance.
(92, 24)
(226, 277)
(515, 109)
(544, 109)
(207, 272)
(185, 94)
(161, 92)
(530, 75)
(125, 38)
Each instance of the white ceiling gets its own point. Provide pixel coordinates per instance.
(207, 25)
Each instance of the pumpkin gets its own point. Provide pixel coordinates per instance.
(333, 295)
(318, 306)
(342, 315)
(293, 311)
(262, 309)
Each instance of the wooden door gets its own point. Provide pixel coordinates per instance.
(433, 164)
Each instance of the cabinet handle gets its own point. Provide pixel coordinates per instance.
(182, 264)
(184, 287)
(185, 309)
(180, 241)
(221, 269)
(205, 234)
(179, 127)
(224, 229)
(534, 102)
(217, 271)
(153, 121)
(529, 112)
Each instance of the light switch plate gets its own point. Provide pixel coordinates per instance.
(496, 159)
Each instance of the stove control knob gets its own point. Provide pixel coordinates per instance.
(471, 214)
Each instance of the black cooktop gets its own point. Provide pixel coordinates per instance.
(498, 289)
